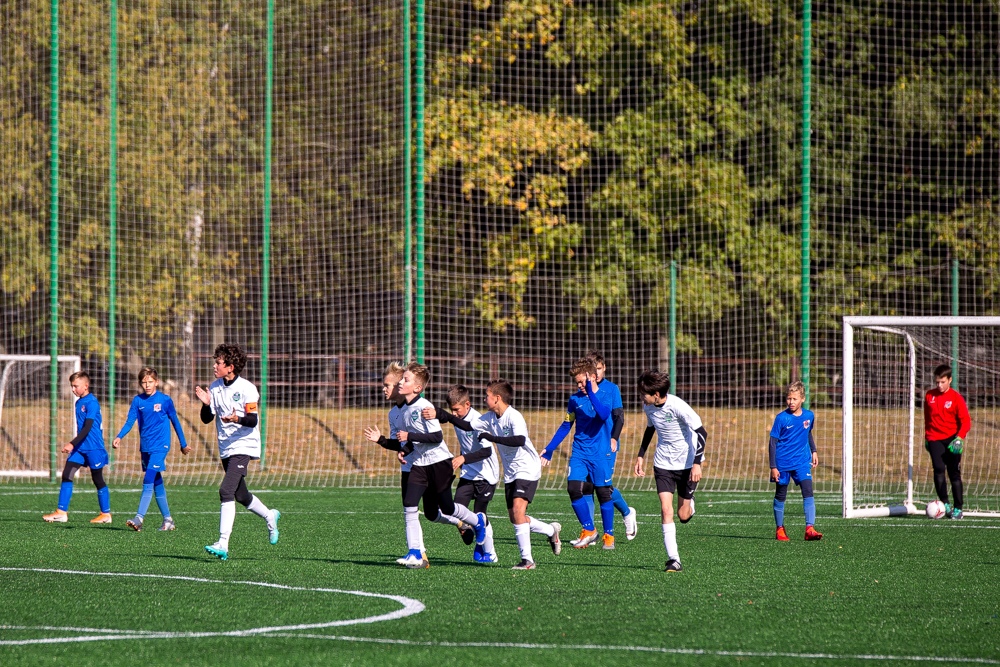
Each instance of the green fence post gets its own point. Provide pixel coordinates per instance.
(407, 188)
(54, 239)
(418, 178)
(112, 224)
(673, 325)
(954, 330)
(265, 315)
(806, 143)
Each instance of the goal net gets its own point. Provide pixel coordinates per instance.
(888, 367)
(26, 444)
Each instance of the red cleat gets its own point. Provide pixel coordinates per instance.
(812, 534)
(781, 535)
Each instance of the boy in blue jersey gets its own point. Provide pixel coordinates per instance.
(590, 409)
(792, 456)
(155, 413)
(86, 449)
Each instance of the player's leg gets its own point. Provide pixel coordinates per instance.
(953, 462)
(404, 480)
(580, 501)
(780, 494)
(808, 504)
(629, 515)
(588, 495)
(465, 493)
(149, 475)
(484, 494)
(160, 492)
(517, 509)
(666, 485)
(235, 468)
(97, 460)
(685, 495)
(607, 514)
(73, 463)
(255, 505)
(448, 510)
(416, 487)
(549, 530)
(937, 448)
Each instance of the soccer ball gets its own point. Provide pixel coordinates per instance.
(935, 509)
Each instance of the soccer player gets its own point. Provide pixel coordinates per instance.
(680, 446)
(432, 471)
(231, 401)
(590, 409)
(946, 424)
(390, 389)
(792, 455)
(505, 427)
(155, 413)
(480, 471)
(86, 449)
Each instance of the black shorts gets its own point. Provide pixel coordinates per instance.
(474, 489)
(520, 488)
(675, 481)
(434, 479)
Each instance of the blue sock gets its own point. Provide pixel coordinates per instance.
(161, 496)
(104, 499)
(144, 499)
(65, 493)
(619, 502)
(809, 505)
(779, 513)
(608, 517)
(583, 513)
(590, 507)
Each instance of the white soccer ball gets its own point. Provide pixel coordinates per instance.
(935, 509)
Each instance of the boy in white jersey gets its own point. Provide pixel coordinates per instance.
(522, 469)
(232, 402)
(432, 473)
(390, 389)
(480, 471)
(680, 446)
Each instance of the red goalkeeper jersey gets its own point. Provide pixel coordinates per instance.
(945, 415)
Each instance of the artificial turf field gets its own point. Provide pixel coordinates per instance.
(873, 591)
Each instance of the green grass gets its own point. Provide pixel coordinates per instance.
(882, 587)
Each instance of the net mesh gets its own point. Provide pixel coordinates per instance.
(881, 406)
(574, 153)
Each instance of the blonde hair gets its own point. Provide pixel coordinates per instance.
(798, 387)
(395, 368)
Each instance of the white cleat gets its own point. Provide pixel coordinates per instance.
(631, 523)
(168, 524)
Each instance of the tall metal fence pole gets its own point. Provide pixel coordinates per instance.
(806, 173)
(265, 313)
(112, 222)
(954, 330)
(54, 239)
(418, 178)
(407, 188)
(673, 326)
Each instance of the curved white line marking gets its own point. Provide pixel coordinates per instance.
(409, 608)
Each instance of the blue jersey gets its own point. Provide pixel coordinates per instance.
(792, 450)
(592, 437)
(155, 414)
(88, 408)
(615, 395)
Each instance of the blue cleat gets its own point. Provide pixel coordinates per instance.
(489, 558)
(217, 551)
(477, 554)
(273, 532)
(480, 528)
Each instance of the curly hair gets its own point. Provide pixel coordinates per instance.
(233, 355)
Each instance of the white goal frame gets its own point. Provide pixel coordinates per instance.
(890, 325)
(7, 361)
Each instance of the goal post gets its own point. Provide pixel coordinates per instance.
(887, 364)
(25, 446)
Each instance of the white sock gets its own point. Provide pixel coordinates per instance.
(227, 515)
(260, 509)
(670, 540)
(537, 526)
(488, 542)
(414, 533)
(463, 513)
(447, 518)
(522, 532)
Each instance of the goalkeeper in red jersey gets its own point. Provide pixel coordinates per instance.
(946, 423)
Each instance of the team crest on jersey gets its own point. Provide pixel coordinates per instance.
(947, 404)
(670, 417)
(506, 431)
(83, 409)
(156, 407)
(237, 397)
(414, 415)
(806, 423)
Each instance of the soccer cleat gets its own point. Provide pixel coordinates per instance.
(218, 551)
(812, 534)
(631, 524)
(414, 560)
(554, 540)
(948, 509)
(168, 524)
(467, 532)
(525, 564)
(489, 558)
(135, 524)
(59, 516)
(673, 565)
(956, 513)
(480, 528)
(272, 533)
(780, 534)
(103, 517)
(609, 542)
(477, 554)
(587, 537)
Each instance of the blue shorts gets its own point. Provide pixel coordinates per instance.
(155, 460)
(798, 475)
(93, 459)
(596, 470)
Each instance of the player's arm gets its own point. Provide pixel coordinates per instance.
(506, 440)
(957, 445)
(172, 416)
(249, 418)
(647, 437)
(484, 452)
(133, 414)
(602, 409)
(561, 433)
(446, 417)
(80, 436)
(812, 445)
(617, 424)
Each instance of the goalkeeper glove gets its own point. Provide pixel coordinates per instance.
(955, 446)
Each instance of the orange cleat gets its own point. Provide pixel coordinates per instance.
(103, 517)
(587, 537)
(58, 516)
(609, 542)
(781, 535)
(812, 534)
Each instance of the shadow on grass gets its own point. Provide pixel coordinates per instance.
(203, 558)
